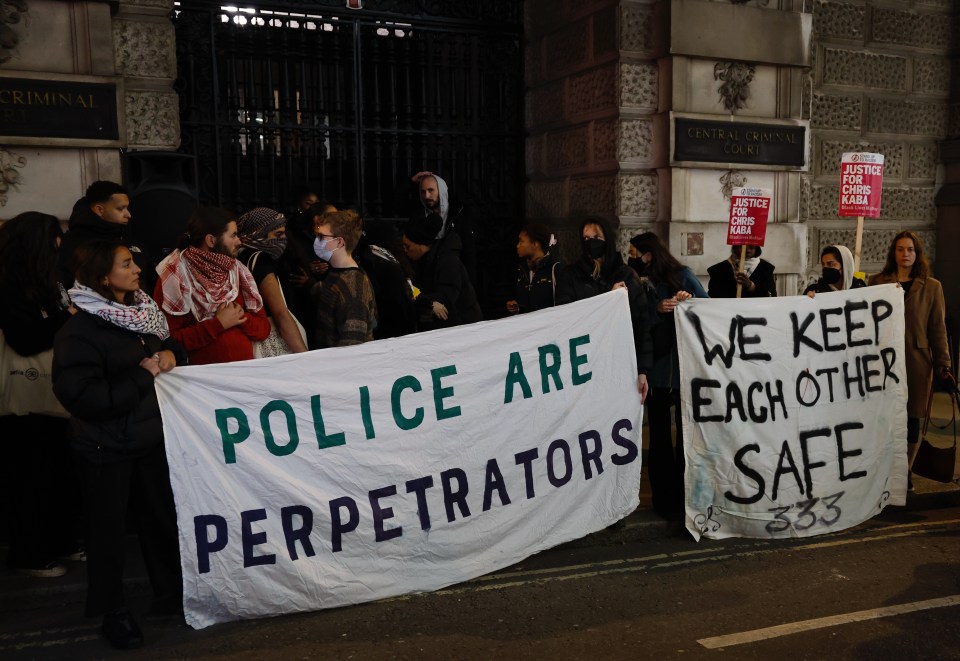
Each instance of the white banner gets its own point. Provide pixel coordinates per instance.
(347, 475)
(794, 412)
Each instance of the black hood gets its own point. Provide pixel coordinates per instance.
(83, 217)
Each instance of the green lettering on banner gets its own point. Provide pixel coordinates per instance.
(440, 393)
(552, 369)
(230, 440)
(323, 441)
(401, 384)
(516, 376)
(365, 412)
(576, 360)
(291, 420)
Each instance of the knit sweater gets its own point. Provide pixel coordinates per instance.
(346, 309)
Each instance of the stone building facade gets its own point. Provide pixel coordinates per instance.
(607, 78)
(128, 43)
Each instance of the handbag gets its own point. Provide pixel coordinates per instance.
(932, 462)
(26, 383)
(274, 344)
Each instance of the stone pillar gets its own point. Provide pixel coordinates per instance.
(85, 42)
(948, 196)
(592, 95)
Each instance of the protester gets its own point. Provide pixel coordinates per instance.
(601, 269)
(102, 213)
(447, 297)
(537, 271)
(38, 474)
(106, 358)
(435, 198)
(396, 311)
(756, 280)
(925, 333)
(210, 299)
(837, 265)
(263, 239)
(346, 308)
(301, 269)
(673, 283)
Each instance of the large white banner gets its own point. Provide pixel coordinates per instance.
(346, 475)
(794, 412)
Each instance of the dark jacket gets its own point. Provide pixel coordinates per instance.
(723, 281)
(87, 226)
(98, 379)
(666, 366)
(536, 288)
(575, 282)
(28, 327)
(396, 314)
(441, 276)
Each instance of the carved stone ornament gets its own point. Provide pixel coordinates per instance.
(731, 179)
(9, 174)
(735, 80)
(10, 11)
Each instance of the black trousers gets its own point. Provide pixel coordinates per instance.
(42, 489)
(139, 487)
(664, 460)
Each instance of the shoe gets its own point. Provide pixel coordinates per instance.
(121, 630)
(52, 569)
(78, 555)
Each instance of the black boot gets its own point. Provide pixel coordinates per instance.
(122, 630)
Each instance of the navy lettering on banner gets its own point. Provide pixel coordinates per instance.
(300, 534)
(561, 446)
(632, 451)
(205, 545)
(525, 459)
(419, 487)
(252, 539)
(381, 514)
(592, 455)
(494, 482)
(452, 496)
(337, 525)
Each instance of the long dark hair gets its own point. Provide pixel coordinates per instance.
(93, 262)
(28, 257)
(663, 267)
(921, 267)
(205, 220)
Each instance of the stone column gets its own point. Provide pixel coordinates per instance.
(948, 196)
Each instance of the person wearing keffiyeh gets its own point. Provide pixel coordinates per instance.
(264, 238)
(210, 299)
(106, 359)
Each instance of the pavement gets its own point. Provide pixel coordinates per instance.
(19, 592)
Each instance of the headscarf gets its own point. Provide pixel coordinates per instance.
(846, 258)
(200, 281)
(254, 226)
(444, 195)
(142, 317)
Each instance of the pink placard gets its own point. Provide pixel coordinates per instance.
(861, 183)
(749, 211)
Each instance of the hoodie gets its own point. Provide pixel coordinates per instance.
(86, 226)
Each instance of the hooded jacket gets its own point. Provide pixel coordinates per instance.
(442, 277)
(849, 282)
(455, 220)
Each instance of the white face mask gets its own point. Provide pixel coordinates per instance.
(320, 248)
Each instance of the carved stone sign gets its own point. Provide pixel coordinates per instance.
(738, 142)
(58, 109)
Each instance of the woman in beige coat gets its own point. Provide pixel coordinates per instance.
(925, 334)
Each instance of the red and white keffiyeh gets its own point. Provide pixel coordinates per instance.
(142, 317)
(200, 281)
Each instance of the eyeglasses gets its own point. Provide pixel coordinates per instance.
(326, 236)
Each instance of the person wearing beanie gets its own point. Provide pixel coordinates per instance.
(446, 297)
(756, 279)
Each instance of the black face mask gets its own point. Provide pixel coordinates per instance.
(637, 264)
(831, 276)
(596, 248)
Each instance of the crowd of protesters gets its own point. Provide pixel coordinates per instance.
(266, 283)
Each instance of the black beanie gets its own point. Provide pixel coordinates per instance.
(423, 230)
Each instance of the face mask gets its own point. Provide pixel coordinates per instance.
(637, 264)
(831, 276)
(596, 248)
(320, 248)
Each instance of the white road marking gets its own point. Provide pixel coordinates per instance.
(824, 622)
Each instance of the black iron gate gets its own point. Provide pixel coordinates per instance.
(276, 95)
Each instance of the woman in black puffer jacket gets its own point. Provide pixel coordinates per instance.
(106, 358)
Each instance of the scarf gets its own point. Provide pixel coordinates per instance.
(749, 265)
(142, 317)
(199, 281)
(254, 226)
